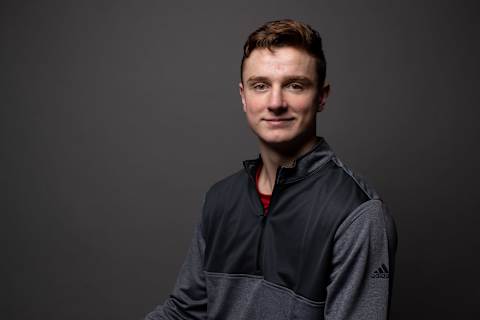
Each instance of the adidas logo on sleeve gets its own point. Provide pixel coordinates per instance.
(381, 272)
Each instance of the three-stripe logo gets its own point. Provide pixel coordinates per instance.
(381, 272)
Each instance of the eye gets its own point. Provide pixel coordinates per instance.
(295, 86)
(259, 86)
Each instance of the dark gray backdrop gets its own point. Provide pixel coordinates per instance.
(117, 116)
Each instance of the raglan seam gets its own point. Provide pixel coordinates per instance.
(358, 180)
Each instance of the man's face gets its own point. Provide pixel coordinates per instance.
(280, 95)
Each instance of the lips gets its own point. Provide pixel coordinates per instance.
(278, 119)
(278, 122)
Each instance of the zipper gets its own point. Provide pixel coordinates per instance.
(263, 221)
(259, 256)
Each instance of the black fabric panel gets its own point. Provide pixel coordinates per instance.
(295, 244)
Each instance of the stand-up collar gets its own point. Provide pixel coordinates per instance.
(300, 167)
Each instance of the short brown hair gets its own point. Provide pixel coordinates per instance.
(287, 33)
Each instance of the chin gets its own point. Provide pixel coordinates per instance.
(284, 139)
(276, 138)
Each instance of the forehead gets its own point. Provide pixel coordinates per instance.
(279, 62)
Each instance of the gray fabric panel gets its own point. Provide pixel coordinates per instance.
(242, 297)
(360, 286)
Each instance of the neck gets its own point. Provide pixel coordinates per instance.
(277, 156)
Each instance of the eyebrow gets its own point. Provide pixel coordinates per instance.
(253, 79)
(302, 79)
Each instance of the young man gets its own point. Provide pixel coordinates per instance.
(295, 234)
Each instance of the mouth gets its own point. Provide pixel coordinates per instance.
(274, 121)
(278, 119)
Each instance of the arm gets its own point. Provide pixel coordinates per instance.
(363, 263)
(188, 299)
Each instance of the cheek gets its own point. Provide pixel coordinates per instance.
(302, 106)
(252, 112)
(254, 106)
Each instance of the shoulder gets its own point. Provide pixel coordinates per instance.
(362, 204)
(370, 215)
(354, 179)
(222, 195)
(338, 190)
(225, 191)
(227, 185)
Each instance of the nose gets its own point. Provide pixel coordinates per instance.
(276, 101)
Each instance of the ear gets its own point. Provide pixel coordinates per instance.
(242, 95)
(322, 97)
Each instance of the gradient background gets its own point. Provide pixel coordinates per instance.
(116, 117)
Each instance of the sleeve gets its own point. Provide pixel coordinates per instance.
(363, 263)
(188, 299)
